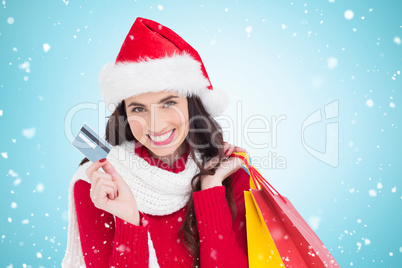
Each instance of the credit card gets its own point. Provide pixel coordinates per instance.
(90, 144)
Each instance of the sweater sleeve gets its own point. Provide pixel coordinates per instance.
(223, 243)
(106, 242)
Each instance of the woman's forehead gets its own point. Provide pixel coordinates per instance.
(151, 97)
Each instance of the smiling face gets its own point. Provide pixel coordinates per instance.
(159, 121)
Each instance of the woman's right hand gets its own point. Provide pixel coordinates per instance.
(111, 193)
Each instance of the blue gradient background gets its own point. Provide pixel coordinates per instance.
(270, 70)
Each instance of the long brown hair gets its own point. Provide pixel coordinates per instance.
(208, 142)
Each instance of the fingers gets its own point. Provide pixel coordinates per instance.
(226, 147)
(123, 188)
(229, 167)
(101, 195)
(232, 148)
(238, 149)
(232, 163)
(94, 166)
(100, 179)
(108, 168)
(104, 179)
(229, 149)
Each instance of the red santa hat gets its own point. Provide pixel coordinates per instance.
(153, 58)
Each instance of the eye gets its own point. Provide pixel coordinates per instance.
(167, 104)
(170, 102)
(134, 110)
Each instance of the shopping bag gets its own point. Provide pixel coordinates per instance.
(262, 251)
(279, 231)
(267, 240)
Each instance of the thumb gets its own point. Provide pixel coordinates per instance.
(109, 169)
(117, 178)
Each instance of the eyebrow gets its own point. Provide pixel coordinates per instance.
(161, 101)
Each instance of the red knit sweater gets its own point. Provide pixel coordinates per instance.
(223, 243)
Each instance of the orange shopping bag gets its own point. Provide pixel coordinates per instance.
(277, 235)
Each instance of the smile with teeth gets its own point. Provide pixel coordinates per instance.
(161, 138)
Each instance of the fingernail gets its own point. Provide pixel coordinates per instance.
(226, 151)
(102, 160)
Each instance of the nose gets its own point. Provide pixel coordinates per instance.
(158, 121)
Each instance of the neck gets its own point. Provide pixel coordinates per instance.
(169, 159)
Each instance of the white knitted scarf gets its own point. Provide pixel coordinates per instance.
(156, 191)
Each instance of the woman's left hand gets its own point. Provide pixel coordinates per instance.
(226, 168)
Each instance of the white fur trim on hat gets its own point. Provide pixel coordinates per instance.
(179, 73)
(215, 101)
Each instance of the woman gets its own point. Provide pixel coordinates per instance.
(169, 195)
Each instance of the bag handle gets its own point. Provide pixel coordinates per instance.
(256, 179)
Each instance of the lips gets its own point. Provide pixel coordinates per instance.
(161, 134)
(165, 137)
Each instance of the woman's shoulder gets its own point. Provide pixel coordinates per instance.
(80, 179)
(81, 190)
(82, 185)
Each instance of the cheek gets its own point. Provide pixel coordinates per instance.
(137, 124)
(179, 116)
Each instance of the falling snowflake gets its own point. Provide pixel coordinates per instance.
(29, 133)
(46, 47)
(314, 221)
(249, 29)
(25, 66)
(349, 14)
(370, 103)
(214, 254)
(372, 193)
(332, 62)
(40, 187)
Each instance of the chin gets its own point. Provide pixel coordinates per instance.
(161, 152)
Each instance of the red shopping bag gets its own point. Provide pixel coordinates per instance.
(285, 246)
(296, 242)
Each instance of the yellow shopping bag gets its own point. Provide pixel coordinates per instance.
(262, 251)
(261, 247)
